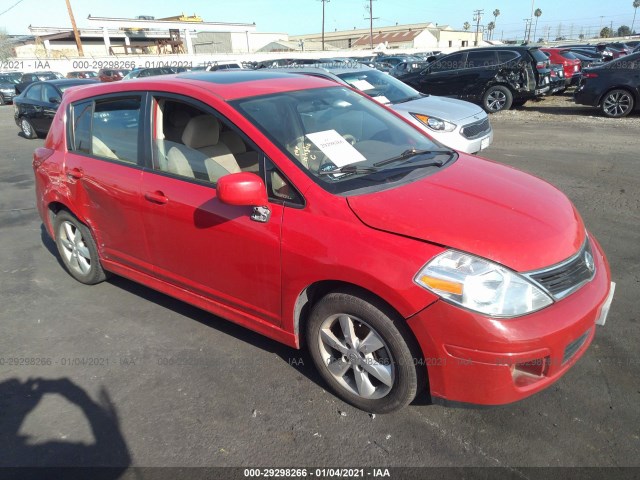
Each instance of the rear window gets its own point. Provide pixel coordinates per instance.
(481, 59)
(538, 56)
(507, 56)
(568, 55)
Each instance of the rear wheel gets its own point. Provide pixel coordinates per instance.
(77, 249)
(496, 99)
(617, 103)
(27, 129)
(364, 352)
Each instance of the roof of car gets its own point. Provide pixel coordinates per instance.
(70, 81)
(226, 84)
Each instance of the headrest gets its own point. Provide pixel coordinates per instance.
(233, 141)
(201, 131)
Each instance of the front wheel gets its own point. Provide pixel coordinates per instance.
(77, 249)
(496, 99)
(364, 352)
(27, 129)
(617, 103)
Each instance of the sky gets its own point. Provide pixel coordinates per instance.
(305, 16)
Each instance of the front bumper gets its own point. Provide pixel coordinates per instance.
(471, 358)
(458, 141)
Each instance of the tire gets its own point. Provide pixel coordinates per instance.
(496, 99)
(79, 254)
(27, 129)
(364, 352)
(617, 103)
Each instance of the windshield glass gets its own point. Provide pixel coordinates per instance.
(334, 129)
(7, 79)
(382, 87)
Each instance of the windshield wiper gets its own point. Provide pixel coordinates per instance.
(349, 169)
(408, 99)
(412, 152)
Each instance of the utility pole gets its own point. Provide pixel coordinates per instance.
(76, 34)
(323, 3)
(371, 19)
(527, 28)
(477, 16)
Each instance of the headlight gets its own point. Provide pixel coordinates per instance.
(435, 123)
(481, 285)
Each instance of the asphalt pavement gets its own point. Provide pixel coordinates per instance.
(118, 374)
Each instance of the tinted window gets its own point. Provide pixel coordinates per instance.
(538, 55)
(49, 92)
(450, 62)
(481, 59)
(115, 129)
(507, 56)
(568, 55)
(82, 113)
(35, 93)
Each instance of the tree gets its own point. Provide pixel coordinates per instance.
(605, 32)
(537, 14)
(636, 4)
(490, 27)
(496, 13)
(624, 31)
(6, 50)
(466, 26)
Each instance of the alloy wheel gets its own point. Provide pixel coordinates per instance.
(75, 251)
(496, 100)
(26, 128)
(617, 104)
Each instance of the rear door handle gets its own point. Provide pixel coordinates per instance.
(75, 173)
(156, 197)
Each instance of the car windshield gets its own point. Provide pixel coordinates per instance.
(7, 79)
(47, 76)
(343, 140)
(380, 86)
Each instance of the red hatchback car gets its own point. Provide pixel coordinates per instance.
(571, 64)
(311, 214)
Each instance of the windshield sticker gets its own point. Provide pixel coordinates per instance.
(381, 99)
(336, 148)
(362, 85)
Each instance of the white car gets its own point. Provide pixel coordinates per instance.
(459, 125)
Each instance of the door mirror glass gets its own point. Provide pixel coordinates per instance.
(244, 188)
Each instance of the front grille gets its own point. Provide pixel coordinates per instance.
(574, 346)
(476, 129)
(567, 277)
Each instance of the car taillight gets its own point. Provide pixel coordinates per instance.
(590, 75)
(541, 65)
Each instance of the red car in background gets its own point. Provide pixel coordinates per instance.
(571, 64)
(314, 215)
(111, 75)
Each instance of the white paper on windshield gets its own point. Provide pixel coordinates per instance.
(336, 148)
(362, 85)
(382, 99)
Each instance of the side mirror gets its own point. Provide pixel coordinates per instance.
(242, 188)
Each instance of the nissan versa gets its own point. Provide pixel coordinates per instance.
(316, 216)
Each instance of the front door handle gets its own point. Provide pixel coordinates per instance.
(75, 173)
(156, 197)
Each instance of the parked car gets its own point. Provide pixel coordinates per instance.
(28, 78)
(386, 63)
(613, 87)
(556, 79)
(148, 72)
(403, 68)
(572, 65)
(494, 77)
(7, 88)
(455, 123)
(83, 74)
(587, 61)
(111, 75)
(308, 212)
(35, 108)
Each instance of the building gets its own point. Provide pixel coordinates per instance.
(421, 36)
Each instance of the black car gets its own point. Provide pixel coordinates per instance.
(29, 78)
(36, 106)
(613, 87)
(7, 88)
(494, 77)
(405, 68)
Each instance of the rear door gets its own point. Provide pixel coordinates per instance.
(32, 107)
(51, 98)
(103, 169)
(480, 70)
(441, 77)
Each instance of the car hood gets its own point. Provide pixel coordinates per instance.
(449, 109)
(483, 208)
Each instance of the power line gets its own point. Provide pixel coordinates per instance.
(11, 7)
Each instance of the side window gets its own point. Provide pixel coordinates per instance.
(35, 93)
(48, 93)
(451, 62)
(481, 59)
(191, 142)
(504, 57)
(81, 135)
(115, 130)
(278, 187)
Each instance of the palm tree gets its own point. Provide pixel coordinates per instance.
(466, 26)
(538, 14)
(496, 13)
(636, 4)
(491, 26)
